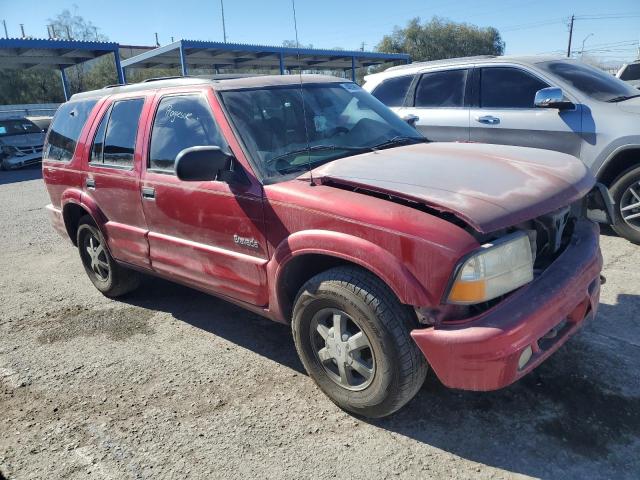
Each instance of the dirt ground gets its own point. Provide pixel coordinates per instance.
(171, 383)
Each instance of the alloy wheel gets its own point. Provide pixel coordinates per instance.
(96, 257)
(630, 205)
(343, 349)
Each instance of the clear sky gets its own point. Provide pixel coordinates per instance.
(527, 26)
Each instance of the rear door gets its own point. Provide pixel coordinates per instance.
(206, 234)
(113, 177)
(439, 100)
(504, 112)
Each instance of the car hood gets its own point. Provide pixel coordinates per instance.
(632, 105)
(490, 187)
(23, 140)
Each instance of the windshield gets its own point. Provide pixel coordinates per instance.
(631, 72)
(341, 120)
(17, 127)
(590, 80)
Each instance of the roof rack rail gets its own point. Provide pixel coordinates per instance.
(114, 85)
(157, 79)
(441, 61)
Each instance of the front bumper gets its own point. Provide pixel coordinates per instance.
(483, 353)
(20, 161)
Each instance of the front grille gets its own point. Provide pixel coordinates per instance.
(551, 234)
(29, 150)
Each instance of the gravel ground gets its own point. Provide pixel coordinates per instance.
(171, 383)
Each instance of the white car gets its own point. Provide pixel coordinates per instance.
(542, 102)
(20, 143)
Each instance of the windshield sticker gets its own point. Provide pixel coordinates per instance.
(172, 114)
(320, 122)
(350, 87)
(3, 130)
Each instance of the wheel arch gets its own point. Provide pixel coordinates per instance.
(75, 205)
(305, 254)
(619, 162)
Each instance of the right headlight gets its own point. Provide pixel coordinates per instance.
(494, 269)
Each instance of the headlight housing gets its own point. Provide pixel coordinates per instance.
(494, 269)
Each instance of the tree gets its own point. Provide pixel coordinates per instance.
(441, 38)
(70, 25)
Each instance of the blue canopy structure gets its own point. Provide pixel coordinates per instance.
(185, 54)
(28, 54)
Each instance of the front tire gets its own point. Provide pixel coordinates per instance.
(625, 191)
(353, 337)
(104, 272)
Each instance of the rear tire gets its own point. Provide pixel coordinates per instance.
(625, 191)
(353, 337)
(112, 279)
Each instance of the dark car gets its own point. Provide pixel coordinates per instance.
(306, 200)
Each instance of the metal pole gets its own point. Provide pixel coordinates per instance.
(65, 84)
(570, 35)
(22, 29)
(281, 63)
(583, 41)
(157, 42)
(353, 69)
(224, 28)
(6, 34)
(183, 62)
(119, 70)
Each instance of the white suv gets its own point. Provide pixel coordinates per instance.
(542, 102)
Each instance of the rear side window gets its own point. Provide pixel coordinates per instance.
(181, 122)
(115, 140)
(65, 130)
(392, 92)
(504, 87)
(441, 89)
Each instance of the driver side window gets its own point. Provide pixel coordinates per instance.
(181, 121)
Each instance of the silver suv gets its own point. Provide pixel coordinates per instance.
(543, 102)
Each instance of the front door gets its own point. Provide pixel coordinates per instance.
(438, 101)
(207, 234)
(505, 113)
(113, 178)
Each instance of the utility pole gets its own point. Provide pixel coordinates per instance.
(573, 17)
(6, 33)
(224, 28)
(362, 45)
(157, 42)
(22, 29)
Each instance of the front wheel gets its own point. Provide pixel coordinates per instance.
(625, 191)
(106, 275)
(353, 337)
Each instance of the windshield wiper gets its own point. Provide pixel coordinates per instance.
(398, 140)
(318, 148)
(622, 98)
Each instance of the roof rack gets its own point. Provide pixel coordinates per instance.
(439, 62)
(157, 79)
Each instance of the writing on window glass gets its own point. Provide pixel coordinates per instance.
(172, 114)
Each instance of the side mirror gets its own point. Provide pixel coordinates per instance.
(411, 119)
(196, 164)
(551, 97)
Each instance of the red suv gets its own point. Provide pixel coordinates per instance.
(307, 201)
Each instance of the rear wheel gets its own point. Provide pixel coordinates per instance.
(106, 275)
(626, 195)
(353, 337)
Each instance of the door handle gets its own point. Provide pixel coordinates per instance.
(90, 183)
(488, 119)
(149, 193)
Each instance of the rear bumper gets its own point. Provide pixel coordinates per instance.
(57, 221)
(483, 353)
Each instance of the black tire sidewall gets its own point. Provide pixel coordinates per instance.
(103, 285)
(619, 186)
(332, 295)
